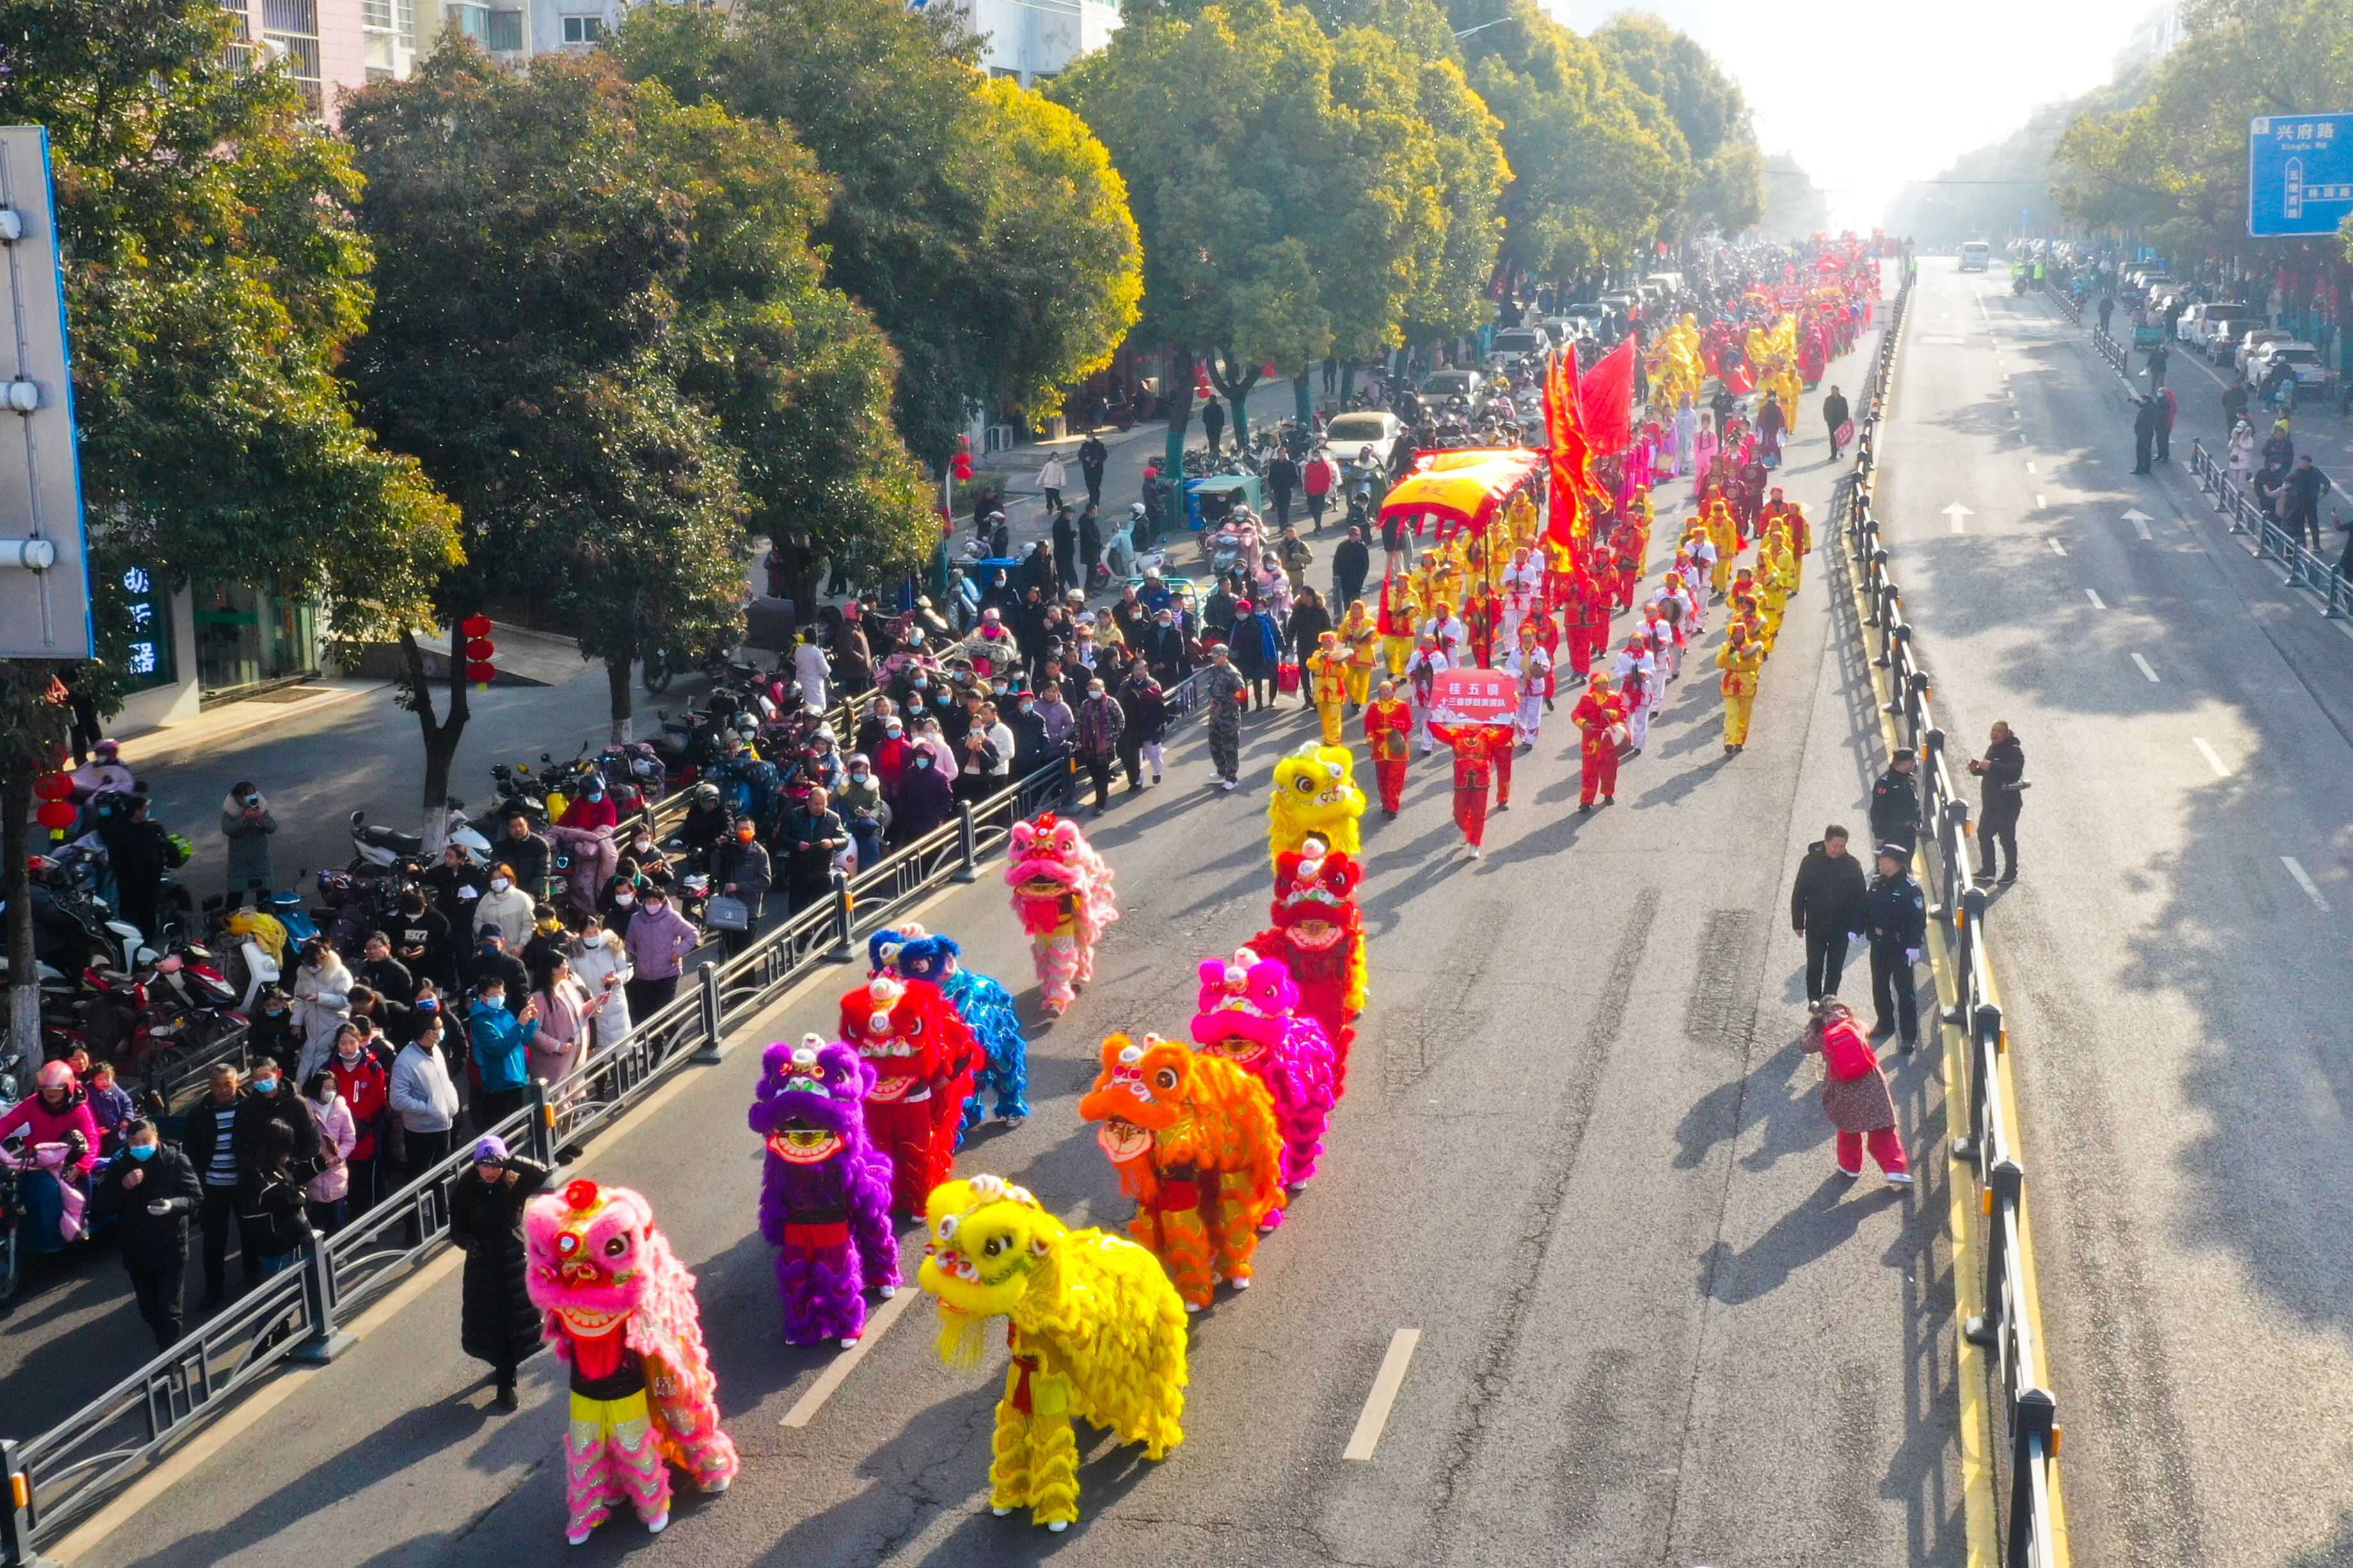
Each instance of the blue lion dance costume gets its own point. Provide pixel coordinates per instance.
(986, 1006)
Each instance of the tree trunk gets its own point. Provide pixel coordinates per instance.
(616, 684)
(1347, 382)
(440, 734)
(1179, 400)
(1303, 402)
(24, 967)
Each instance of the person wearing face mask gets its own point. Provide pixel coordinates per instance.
(602, 968)
(508, 907)
(592, 810)
(380, 972)
(863, 812)
(497, 1322)
(365, 1086)
(926, 798)
(209, 1140)
(498, 1036)
(810, 837)
(151, 1193)
(1144, 724)
(270, 1117)
(272, 1032)
(563, 1004)
(492, 961)
(424, 1099)
(247, 822)
(323, 1003)
(326, 1195)
(457, 885)
(1100, 723)
(270, 1211)
(58, 1111)
(1164, 649)
(743, 871)
(890, 759)
(659, 940)
(421, 942)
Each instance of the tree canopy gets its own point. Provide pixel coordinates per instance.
(984, 229)
(1708, 107)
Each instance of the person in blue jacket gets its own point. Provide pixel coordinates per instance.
(503, 1074)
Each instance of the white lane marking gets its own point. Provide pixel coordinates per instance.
(2093, 594)
(2057, 548)
(1956, 512)
(1386, 1384)
(2139, 520)
(2144, 665)
(2303, 879)
(2030, 466)
(2213, 759)
(2038, 503)
(837, 1371)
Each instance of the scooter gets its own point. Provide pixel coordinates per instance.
(382, 848)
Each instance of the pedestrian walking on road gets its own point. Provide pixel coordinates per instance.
(1224, 694)
(2107, 309)
(1835, 414)
(151, 1194)
(209, 1140)
(1051, 477)
(1826, 907)
(246, 822)
(1855, 1094)
(1895, 915)
(2242, 453)
(2306, 485)
(1351, 563)
(1895, 803)
(2001, 783)
(2146, 418)
(497, 1322)
(2157, 360)
(1388, 728)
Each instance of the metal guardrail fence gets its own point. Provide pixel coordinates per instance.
(2063, 298)
(2113, 351)
(1990, 1148)
(2305, 567)
(68, 1472)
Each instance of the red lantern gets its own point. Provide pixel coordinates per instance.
(479, 673)
(479, 649)
(960, 465)
(56, 814)
(53, 786)
(475, 626)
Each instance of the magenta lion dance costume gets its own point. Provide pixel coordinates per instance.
(825, 1193)
(1061, 890)
(1249, 1014)
(620, 1312)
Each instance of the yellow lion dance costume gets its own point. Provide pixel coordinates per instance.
(1097, 1331)
(1315, 792)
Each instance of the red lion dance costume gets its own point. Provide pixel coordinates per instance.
(620, 1310)
(1061, 890)
(1319, 935)
(924, 1057)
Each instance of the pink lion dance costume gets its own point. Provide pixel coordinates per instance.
(825, 1192)
(620, 1311)
(1249, 1014)
(1061, 890)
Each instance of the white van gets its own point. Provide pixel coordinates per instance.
(1975, 254)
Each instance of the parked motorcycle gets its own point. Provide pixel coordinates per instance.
(380, 849)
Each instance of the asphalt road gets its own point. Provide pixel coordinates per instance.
(1581, 1153)
(2171, 957)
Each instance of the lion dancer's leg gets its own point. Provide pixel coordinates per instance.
(818, 1274)
(1057, 968)
(1360, 685)
(902, 1129)
(1236, 1239)
(1034, 1456)
(1177, 1236)
(1008, 1071)
(610, 1457)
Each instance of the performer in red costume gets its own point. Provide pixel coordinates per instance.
(1476, 749)
(1388, 726)
(1588, 615)
(1601, 718)
(1625, 562)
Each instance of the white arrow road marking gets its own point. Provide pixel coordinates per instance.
(2144, 666)
(2057, 548)
(2303, 879)
(1956, 512)
(2213, 759)
(2038, 503)
(1386, 1384)
(2030, 466)
(2093, 594)
(2139, 520)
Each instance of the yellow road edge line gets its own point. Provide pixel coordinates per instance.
(291, 1376)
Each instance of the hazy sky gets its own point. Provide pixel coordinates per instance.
(1868, 97)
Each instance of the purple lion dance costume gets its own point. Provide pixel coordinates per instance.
(1249, 1014)
(825, 1193)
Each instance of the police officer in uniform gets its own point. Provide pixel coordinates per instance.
(1895, 802)
(1895, 914)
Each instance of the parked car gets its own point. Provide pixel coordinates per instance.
(2301, 358)
(1441, 384)
(2202, 322)
(1516, 343)
(1349, 434)
(2250, 343)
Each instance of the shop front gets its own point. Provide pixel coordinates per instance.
(248, 639)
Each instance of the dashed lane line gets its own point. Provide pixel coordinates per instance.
(2093, 594)
(837, 1371)
(2303, 879)
(2056, 548)
(2213, 759)
(2145, 669)
(1386, 1384)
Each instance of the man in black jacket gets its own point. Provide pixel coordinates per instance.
(382, 974)
(526, 851)
(2145, 419)
(1896, 801)
(152, 1193)
(1835, 413)
(2001, 774)
(1826, 904)
(1093, 456)
(1896, 914)
(1351, 562)
(810, 837)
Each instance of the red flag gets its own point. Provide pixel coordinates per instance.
(1571, 452)
(1606, 397)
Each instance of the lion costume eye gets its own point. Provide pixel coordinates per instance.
(1305, 785)
(996, 1245)
(1166, 1078)
(618, 1245)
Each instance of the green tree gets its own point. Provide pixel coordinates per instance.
(1794, 206)
(213, 281)
(1708, 107)
(987, 238)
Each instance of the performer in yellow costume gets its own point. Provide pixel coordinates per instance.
(1740, 660)
(1327, 685)
(1361, 639)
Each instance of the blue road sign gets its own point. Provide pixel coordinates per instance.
(2299, 173)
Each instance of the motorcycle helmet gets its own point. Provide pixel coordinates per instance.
(706, 794)
(55, 1075)
(1135, 508)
